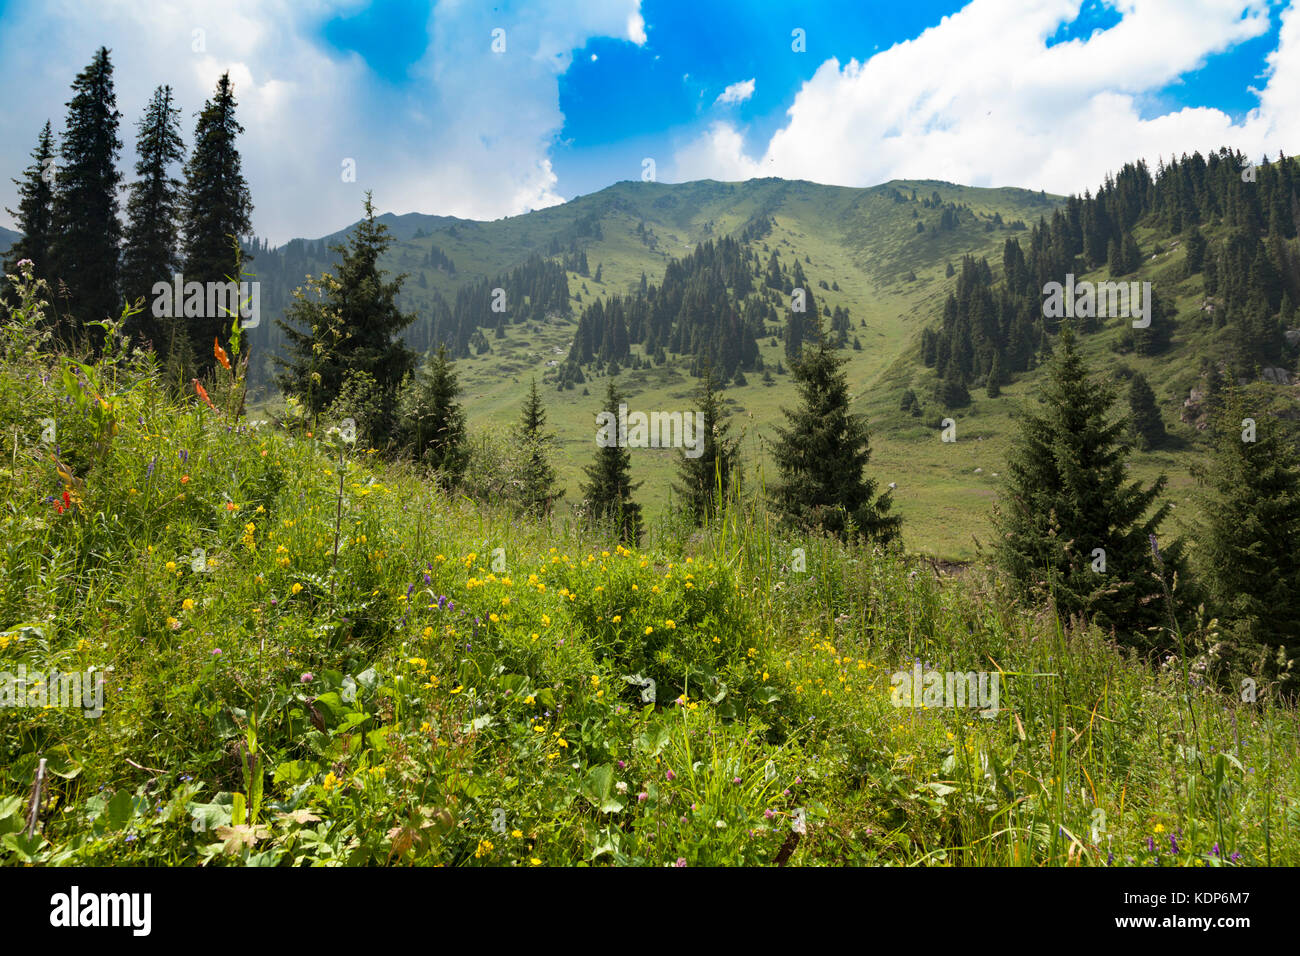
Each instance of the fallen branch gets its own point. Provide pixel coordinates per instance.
(139, 767)
(34, 809)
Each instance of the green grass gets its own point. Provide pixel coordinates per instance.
(366, 671)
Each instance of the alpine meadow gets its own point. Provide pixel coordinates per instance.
(806, 509)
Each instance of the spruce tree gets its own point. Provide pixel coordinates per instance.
(218, 211)
(1069, 522)
(1131, 254)
(35, 202)
(1156, 337)
(1115, 259)
(706, 479)
(86, 233)
(1246, 555)
(1145, 423)
(1196, 244)
(993, 386)
(352, 325)
(433, 422)
(608, 489)
(822, 455)
(152, 252)
(540, 491)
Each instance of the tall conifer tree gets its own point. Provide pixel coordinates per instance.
(540, 491)
(218, 211)
(353, 325)
(1069, 521)
(706, 478)
(1146, 425)
(821, 457)
(35, 208)
(1251, 511)
(152, 252)
(433, 422)
(608, 489)
(86, 231)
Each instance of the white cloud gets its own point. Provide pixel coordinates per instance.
(736, 93)
(981, 99)
(718, 154)
(1280, 99)
(636, 28)
(471, 137)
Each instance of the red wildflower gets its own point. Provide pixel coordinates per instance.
(203, 394)
(220, 354)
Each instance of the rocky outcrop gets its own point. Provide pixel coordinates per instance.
(1194, 412)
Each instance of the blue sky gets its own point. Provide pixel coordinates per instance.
(1036, 93)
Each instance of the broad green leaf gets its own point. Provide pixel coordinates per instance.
(368, 679)
(598, 788)
(26, 849)
(653, 739)
(478, 723)
(378, 738)
(10, 807)
(120, 810)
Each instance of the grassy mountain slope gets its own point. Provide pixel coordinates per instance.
(864, 245)
(865, 241)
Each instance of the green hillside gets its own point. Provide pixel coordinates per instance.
(890, 256)
(863, 243)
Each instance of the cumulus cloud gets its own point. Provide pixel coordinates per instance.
(736, 93)
(470, 136)
(981, 99)
(718, 154)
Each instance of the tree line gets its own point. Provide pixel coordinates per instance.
(68, 214)
(991, 329)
